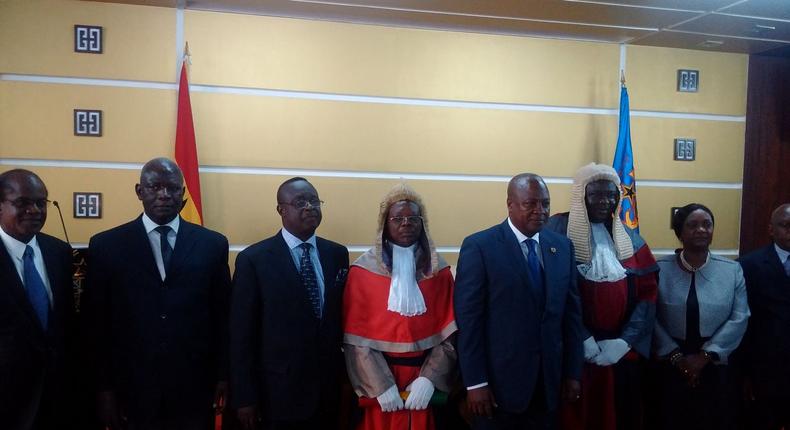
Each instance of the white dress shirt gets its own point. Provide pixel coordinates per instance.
(156, 242)
(16, 250)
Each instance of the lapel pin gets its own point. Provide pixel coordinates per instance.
(553, 250)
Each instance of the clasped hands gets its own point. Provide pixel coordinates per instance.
(691, 367)
(420, 392)
(605, 352)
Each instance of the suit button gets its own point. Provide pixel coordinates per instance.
(163, 316)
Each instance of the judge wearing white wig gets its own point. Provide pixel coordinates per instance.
(398, 319)
(617, 284)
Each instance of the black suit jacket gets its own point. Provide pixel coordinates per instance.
(31, 360)
(284, 359)
(766, 346)
(506, 335)
(159, 342)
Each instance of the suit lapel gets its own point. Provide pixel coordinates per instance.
(773, 266)
(514, 252)
(548, 250)
(185, 241)
(139, 242)
(327, 266)
(54, 269)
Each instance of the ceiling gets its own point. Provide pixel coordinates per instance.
(745, 26)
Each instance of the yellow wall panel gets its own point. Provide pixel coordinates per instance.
(652, 80)
(37, 37)
(36, 121)
(257, 51)
(277, 132)
(719, 156)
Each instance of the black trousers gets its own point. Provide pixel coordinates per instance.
(536, 417)
(712, 405)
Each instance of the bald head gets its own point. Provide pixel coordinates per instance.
(522, 181)
(779, 228)
(161, 165)
(161, 189)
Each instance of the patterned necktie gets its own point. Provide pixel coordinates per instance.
(164, 245)
(34, 286)
(787, 265)
(307, 271)
(532, 261)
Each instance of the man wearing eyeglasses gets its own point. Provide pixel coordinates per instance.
(159, 290)
(35, 301)
(286, 361)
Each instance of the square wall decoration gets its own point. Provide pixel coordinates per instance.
(87, 122)
(87, 205)
(88, 39)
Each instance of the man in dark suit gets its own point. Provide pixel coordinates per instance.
(766, 345)
(518, 314)
(159, 289)
(35, 304)
(285, 339)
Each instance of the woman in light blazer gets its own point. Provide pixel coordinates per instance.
(701, 317)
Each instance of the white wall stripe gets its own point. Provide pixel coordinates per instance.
(267, 171)
(262, 92)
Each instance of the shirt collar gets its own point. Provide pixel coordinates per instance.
(150, 225)
(15, 247)
(294, 241)
(521, 236)
(781, 253)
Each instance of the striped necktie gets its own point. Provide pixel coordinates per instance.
(164, 246)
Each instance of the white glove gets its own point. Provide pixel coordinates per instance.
(591, 349)
(390, 400)
(611, 351)
(420, 392)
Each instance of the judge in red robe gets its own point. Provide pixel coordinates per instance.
(618, 286)
(398, 319)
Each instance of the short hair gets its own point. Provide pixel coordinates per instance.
(288, 182)
(680, 216)
(6, 176)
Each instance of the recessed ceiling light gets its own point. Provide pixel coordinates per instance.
(710, 44)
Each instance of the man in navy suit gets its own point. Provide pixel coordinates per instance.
(159, 288)
(286, 361)
(519, 316)
(35, 304)
(766, 345)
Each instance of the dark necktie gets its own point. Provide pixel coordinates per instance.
(307, 271)
(34, 287)
(787, 265)
(164, 245)
(533, 262)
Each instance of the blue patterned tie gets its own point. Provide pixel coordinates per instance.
(164, 245)
(534, 264)
(34, 286)
(309, 280)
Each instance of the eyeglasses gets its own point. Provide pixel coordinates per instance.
(413, 219)
(302, 204)
(25, 203)
(157, 188)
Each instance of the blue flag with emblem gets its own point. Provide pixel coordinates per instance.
(624, 165)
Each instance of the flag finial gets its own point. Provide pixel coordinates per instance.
(622, 78)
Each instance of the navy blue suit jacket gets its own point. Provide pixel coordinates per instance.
(284, 359)
(766, 345)
(32, 360)
(506, 336)
(159, 342)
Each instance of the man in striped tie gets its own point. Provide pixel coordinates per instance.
(35, 305)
